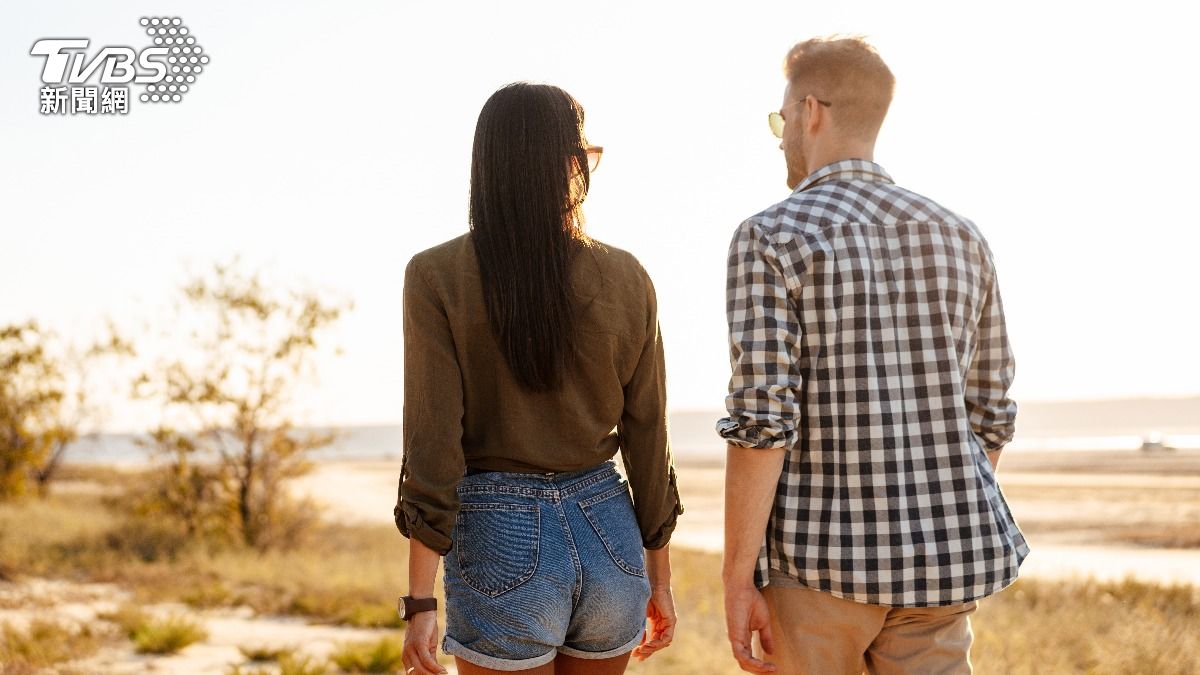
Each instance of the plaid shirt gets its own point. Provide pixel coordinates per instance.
(867, 338)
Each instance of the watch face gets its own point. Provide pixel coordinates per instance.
(402, 607)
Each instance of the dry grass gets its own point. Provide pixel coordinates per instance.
(151, 635)
(103, 475)
(347, 575)
(168, 635)
(302, 665)
(380, 656)
(1032, 627)
(265, 653)
(286, 659)
(351, 575)
(45, 643)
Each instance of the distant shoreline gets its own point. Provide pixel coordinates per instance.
(1085, 427)
(1176, 462)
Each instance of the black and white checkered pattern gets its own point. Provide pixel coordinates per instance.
(867, 337)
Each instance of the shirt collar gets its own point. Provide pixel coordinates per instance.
(846, 169)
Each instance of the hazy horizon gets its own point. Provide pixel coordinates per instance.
(1078, 425)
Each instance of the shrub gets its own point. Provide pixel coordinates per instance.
(381, 656)
(251, 348)
(264, 653)
(45, 643)
(168, 636)
(374, 615)
(301, 665)
(155, 636)
(289, 664)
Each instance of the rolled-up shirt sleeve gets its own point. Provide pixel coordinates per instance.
(991, 411)
(645, 439)
(433, 464)
(763, 403)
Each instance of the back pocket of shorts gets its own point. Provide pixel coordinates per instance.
(612, 517)
(497, 545)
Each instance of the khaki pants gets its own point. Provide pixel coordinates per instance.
(819, 634)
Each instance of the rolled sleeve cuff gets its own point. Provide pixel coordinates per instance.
(662, 536)
(742, 431)
(993, 441)
(412, 525)
(995, 426)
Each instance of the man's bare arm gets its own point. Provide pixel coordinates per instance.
(751, 476)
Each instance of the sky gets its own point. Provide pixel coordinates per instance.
(326, 143)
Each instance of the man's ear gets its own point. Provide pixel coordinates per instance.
(817, 115)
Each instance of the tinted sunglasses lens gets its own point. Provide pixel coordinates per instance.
(776, 122)
(593, 157)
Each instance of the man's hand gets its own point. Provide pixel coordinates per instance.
(420, 646)
(745, 614)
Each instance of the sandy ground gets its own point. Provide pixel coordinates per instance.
(1081, 512)
(68, 602)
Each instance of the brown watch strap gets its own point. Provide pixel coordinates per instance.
(409, 606)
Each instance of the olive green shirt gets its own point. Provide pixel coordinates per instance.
(463, 408)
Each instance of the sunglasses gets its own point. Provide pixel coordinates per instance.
(776, 119)
(594, 152)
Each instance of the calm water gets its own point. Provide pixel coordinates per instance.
(1089, 425)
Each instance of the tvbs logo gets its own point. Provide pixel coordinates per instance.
(117, 63)
(167, 70)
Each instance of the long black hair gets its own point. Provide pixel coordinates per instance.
(529, 177)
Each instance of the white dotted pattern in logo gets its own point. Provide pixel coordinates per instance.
(185, 59)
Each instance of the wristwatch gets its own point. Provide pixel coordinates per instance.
(409, 606)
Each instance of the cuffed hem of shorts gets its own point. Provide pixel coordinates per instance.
(627, 647)
(455, 648)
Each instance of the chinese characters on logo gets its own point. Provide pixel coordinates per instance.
(85, 100)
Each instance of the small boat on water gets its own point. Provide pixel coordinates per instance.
(1154, 442)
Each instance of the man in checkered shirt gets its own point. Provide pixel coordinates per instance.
(868, 402)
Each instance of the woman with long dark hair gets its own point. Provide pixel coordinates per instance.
(531, 356)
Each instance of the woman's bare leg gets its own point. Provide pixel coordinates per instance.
(570, 665)
(467, 668)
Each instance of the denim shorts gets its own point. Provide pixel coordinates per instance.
(543, 564)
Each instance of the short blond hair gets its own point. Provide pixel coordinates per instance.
(847, 72)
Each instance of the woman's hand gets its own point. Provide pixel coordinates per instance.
(420, 645)
(421, 638)
(660, 612)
